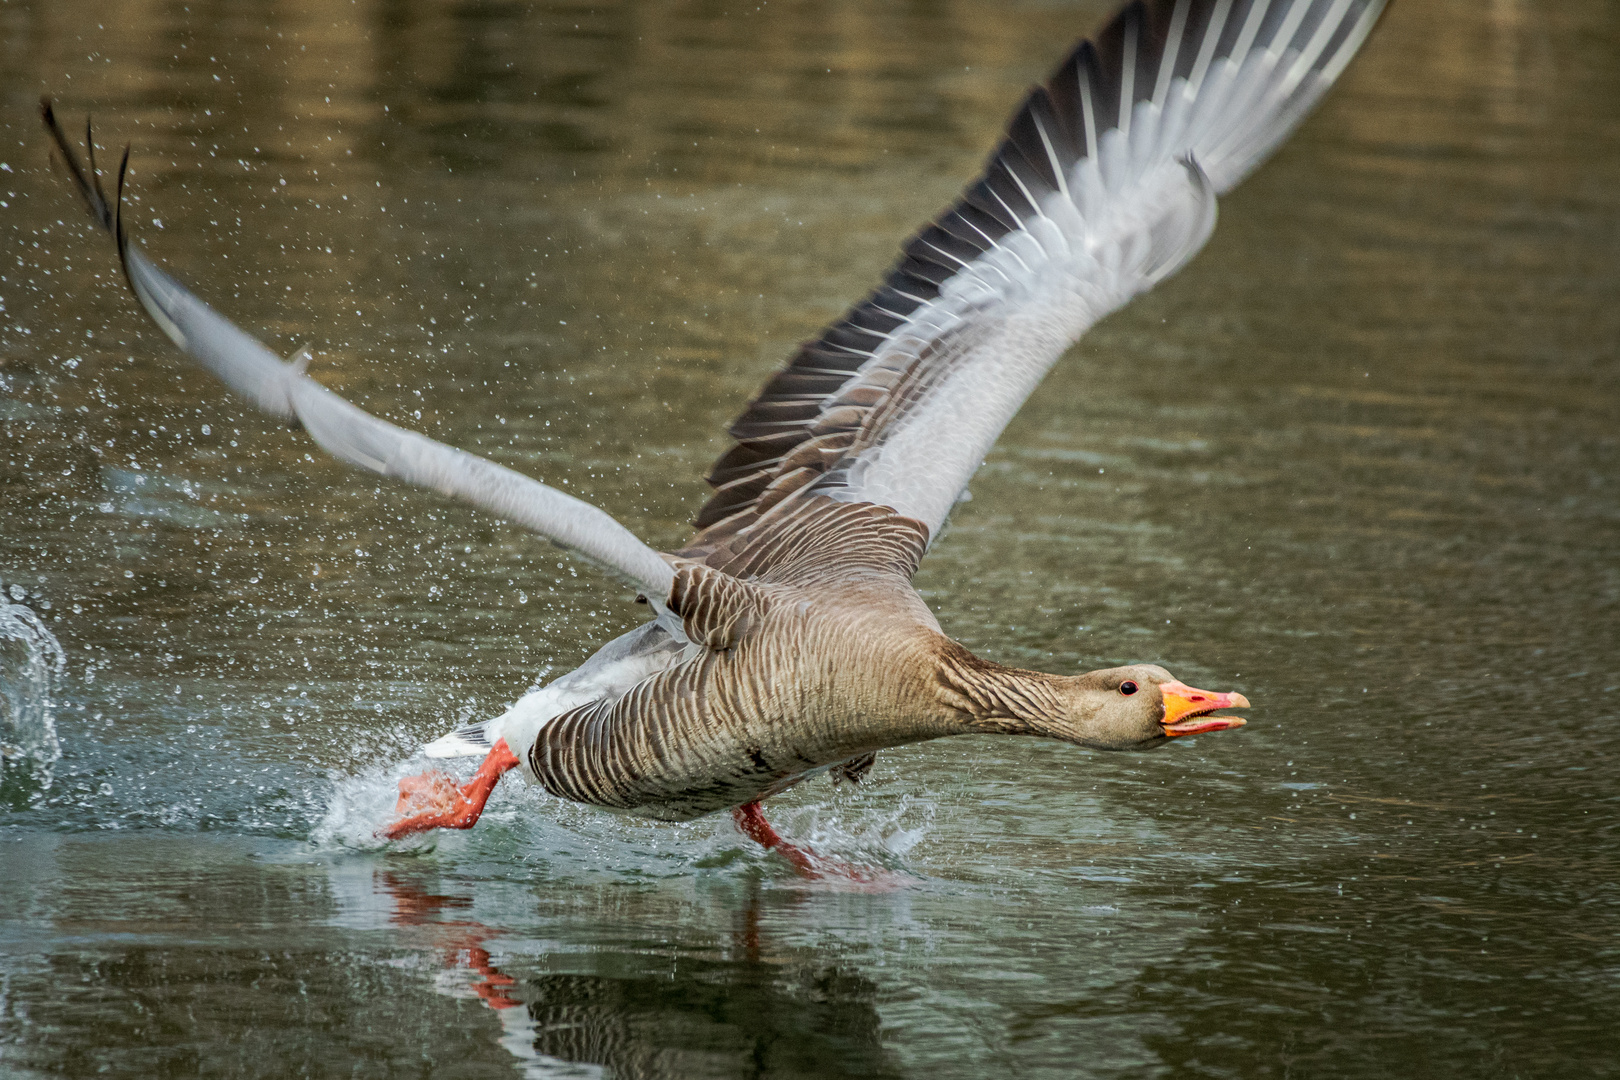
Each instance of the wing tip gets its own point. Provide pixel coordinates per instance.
(86, 179)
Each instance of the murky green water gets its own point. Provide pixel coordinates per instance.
(1359, 461)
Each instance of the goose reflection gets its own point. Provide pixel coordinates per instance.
(636, 1014)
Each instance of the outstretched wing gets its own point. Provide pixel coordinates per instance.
(347, 432)
(1104, 185)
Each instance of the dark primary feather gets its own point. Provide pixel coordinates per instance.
(854, 770)
(87, 180)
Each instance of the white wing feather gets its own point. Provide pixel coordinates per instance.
(353, 435)
(1014, 333)
(349, 433)
(1122, 220)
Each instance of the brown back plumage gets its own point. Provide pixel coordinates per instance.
(814, 538)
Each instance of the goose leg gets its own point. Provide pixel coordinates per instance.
(751, 820)
(439, 804)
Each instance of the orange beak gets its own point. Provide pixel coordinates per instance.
(1186, 711)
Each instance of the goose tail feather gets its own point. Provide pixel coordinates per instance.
(470, 741)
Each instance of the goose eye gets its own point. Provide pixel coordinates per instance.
(1127, 688)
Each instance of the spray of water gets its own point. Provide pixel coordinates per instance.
(31, 660)
(571, 840)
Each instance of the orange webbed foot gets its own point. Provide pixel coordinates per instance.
(432, 800)
(429, 792)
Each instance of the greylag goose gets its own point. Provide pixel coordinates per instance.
(786, 638)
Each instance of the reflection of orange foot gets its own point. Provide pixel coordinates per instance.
(495, 985)
(414, 906)
(433, 801)
(751, 820)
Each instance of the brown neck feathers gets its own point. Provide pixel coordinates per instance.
(990, 697)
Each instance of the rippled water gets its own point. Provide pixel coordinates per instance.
(1358, 461)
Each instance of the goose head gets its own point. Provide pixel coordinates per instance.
(1138, 707)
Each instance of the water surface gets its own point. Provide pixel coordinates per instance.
(1358, 461)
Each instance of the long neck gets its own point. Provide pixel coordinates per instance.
(989, 697)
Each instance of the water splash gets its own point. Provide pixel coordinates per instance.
(877, 837)
(578, 842)
(31, 660)
(175, 500)
(359, 807)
